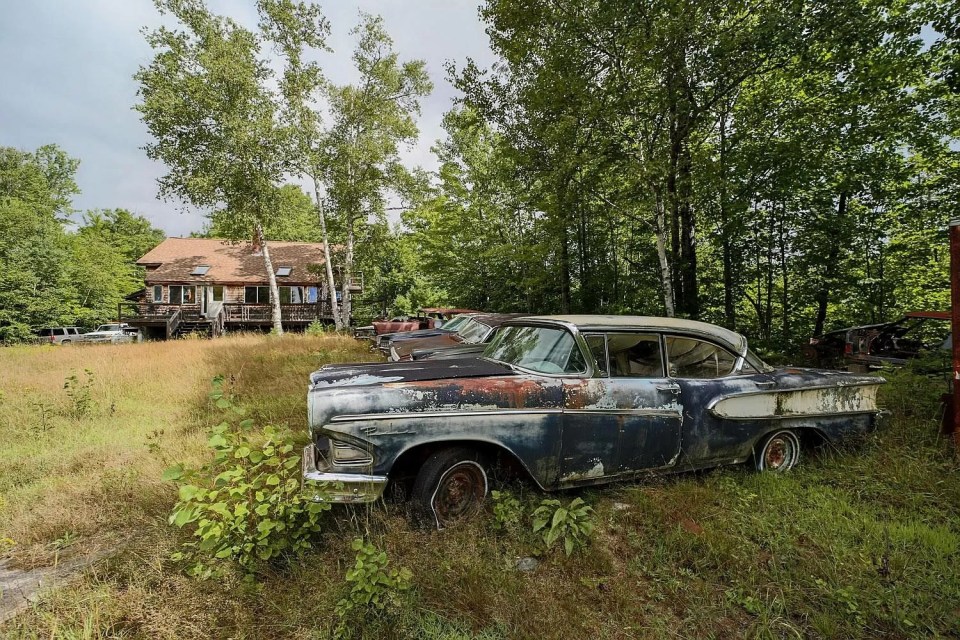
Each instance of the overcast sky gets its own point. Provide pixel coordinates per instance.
(67, 79)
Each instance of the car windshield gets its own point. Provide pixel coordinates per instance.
(108, 327)
(473, 331)
(455, 323)
(541, 349)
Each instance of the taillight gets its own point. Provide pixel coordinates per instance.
(847, 349)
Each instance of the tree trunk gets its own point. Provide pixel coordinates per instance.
(345, 305)
(823, 294)
(275, 315)
(327, 263)
(729, 305)
(666, 277)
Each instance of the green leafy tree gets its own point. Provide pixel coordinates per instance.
(370, 122)
(208, 103)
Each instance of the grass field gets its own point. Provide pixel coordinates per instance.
(854, 544)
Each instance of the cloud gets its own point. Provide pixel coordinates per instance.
(68, 80)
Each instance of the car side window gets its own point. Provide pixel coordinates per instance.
(597, 343)
(692, 358)
(634, 355)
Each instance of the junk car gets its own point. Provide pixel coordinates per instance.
(384, 341)
(570, 401)
(478, 329)
(891, 343)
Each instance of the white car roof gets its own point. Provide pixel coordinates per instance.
(654, 323)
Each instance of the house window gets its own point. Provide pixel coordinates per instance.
(218, 293)
(311, 295)
(291, 295)
(256, 295)
(284, 271)
(158, 293)
(200, 270)
(183, 294)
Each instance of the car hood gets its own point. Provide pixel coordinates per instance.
(349, 375)
(419, 333)
(100, 334)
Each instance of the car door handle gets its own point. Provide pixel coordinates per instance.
(766, 385)
(672, 388)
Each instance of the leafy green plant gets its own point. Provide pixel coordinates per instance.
(246, 504)
(317, 328)
(507, 511)
(375, 589)
(79, 395)
(573, 524)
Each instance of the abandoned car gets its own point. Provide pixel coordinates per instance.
(569, 401)
(891, 343)
(385, 341)
(478, 329)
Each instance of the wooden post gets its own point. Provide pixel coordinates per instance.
(955, 325)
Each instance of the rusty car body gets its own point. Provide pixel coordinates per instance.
(477, 329)
(873, 346)
(384, 341)
(569, 401)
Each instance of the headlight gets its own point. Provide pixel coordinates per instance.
(348, 455)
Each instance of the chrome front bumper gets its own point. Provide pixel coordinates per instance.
(338, 487)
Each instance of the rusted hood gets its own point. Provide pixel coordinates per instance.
(350, 375)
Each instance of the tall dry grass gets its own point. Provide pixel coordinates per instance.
(92, 476)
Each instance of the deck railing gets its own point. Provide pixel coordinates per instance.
(288, 312)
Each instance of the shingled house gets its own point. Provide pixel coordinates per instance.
(208, 286)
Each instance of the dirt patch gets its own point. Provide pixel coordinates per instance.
(19, 588)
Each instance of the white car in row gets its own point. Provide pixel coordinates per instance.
(113, 333)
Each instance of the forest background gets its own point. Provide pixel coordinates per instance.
(778, 168)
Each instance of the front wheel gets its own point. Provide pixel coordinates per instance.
(780, 452)
(451, 485)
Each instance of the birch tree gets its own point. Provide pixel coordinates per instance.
(205, 99)
(370, 122)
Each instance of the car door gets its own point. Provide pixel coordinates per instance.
(625, 420)
(706, 374)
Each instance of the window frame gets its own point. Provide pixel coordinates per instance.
(182, 288)
(257, 288)
(156, 288)
(606, 370)
(734, 371)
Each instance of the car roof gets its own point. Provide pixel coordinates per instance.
(656, 323)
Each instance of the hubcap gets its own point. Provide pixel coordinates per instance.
(460, 492)
(780, 453)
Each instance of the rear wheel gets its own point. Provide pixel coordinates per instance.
(450, 486)
(780, 452)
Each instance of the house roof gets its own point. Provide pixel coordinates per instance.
(230, 262)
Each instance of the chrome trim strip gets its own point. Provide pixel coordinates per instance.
(797, 416)
(345, 478)
(393, 415)
(713, 403)
(626, 412)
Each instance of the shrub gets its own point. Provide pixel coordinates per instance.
(507, 511)
(316, 328)
(78, 393)
(246, 504)
(374, 589)
(573, 524)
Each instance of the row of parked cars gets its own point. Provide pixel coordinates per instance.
(563, 402)
(105, 333)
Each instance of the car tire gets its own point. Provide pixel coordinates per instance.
(779, 453)
(450, 486)
(64, 342)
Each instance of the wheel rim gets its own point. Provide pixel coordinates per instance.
(781, 452)
(459, 493)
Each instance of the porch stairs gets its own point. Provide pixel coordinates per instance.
(210, 326)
